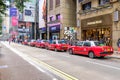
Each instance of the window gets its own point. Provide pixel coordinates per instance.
(58, 17)
(102, 2)
(80, 0)
(50, 4)
(79, 44)
(51, 18)
(86, 6)
(87, 44)
(57, 3)
(54, 42)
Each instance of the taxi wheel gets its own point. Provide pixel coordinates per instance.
(56, 50)
(70, 51)
(47, 48)
(91, 55)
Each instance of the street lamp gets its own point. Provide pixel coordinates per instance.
(46, 20)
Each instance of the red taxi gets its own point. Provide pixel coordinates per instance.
(42, 43)
(32, 42)
(25, 42)
(38, 43)
(58, 45)
(91, 48)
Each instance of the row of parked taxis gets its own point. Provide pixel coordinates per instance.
(89, 48)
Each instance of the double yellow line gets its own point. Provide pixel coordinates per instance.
(54, 70)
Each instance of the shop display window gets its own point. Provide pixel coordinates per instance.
(97, 34)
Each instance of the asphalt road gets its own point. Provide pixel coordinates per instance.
(13, 67)
(65, 65)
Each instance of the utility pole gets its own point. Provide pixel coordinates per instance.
(46, 20)
(35, 21)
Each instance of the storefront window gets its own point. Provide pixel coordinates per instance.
(57, 3)
(51, 18)
(97, 35)
(50, 4)
(58, 17)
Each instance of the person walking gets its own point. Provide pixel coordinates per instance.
(118, 44)
(10, 39)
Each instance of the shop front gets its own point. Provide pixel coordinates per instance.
(43, 33)
(97, 28)
(54, 32)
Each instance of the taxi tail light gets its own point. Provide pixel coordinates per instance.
(111, 49)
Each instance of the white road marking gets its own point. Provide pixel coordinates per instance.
(3, 66)
(108, 66)
(55, 79)
(29, 60)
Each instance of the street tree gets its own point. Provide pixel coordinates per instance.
(2, 7)
(20, 4)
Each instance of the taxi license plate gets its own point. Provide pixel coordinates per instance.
(108, 49)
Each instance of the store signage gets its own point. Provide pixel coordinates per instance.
(98, 21)
(14, 21)
(94, 22)
(28, 12)
(13, 12)
(53, 28)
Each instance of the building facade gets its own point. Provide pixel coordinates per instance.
(61, 17)
(42, 19)
(99, 19)
(27, 21)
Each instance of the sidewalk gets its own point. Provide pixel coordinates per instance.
(116, 54)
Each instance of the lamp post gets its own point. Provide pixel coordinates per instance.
(46, 20)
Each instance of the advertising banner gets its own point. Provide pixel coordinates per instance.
(14, 21)
(29, 11)
(42, 9)
(13, 12)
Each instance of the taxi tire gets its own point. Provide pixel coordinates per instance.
(47, 48)
(56, 50)
(70, 51)
(91, 55)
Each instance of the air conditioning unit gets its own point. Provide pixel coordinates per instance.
(112, 1)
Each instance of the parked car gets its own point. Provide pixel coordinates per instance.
(25, 42)
(47, 43)
(91, 48)
(38, 43)
(42, 43)
(58, 45)
(32, 43)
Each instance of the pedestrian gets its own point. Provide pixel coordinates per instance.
(10, 39)
(118, 44)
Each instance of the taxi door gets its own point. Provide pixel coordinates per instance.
(86, 47)
(77, 48)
